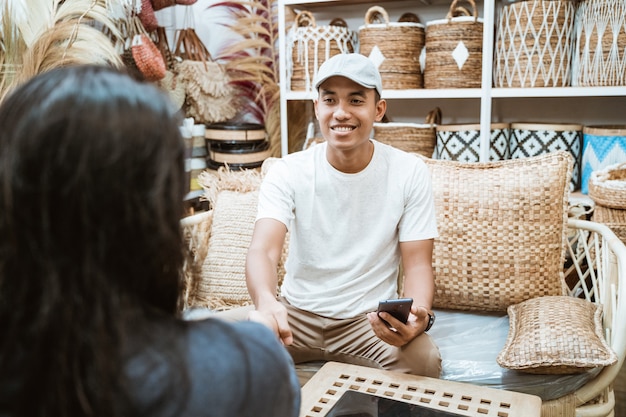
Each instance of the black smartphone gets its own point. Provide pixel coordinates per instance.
(398, 308)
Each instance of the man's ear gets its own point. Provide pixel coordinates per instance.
(315, 101)
(381, 109)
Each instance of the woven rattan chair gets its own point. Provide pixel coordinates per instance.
(595, 270)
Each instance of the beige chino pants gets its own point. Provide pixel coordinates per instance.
(351, 341)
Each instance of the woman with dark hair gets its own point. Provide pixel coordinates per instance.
(91, 251)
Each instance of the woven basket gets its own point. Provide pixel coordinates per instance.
(614, 218)
(533, 45)
(396, 46)
(411, 137)
(240, 146)
(309, 45)
(533, 139)
(600, 45)
(462, 142)
(454, 50)
(603, 146)
(148, 58)
(607, 187)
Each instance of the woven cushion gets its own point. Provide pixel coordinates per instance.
(233, 196)
(501, 230)
(555, 335)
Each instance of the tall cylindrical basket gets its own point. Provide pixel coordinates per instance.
(533, 46)
(395, 46)
(454, 50)
(599, 57)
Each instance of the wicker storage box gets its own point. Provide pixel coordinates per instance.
(411, 137)
(309, 45)
(533, 139)
(599, 57)
(603, 146)
(533, 44)
(395, 46)
(462, 142)
(607, 187)
(454, 50)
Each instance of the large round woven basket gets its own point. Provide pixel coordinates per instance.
(599, 57)
(411, 137)
(309, 45)
(397, 46)
(607, 186)
(454, 50)
(533, 44)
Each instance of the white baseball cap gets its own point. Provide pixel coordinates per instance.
(355, 67)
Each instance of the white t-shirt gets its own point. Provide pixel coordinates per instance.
(345, 228)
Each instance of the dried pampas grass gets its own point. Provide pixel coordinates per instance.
(54, 33)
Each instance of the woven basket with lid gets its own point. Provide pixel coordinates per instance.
(396, 45)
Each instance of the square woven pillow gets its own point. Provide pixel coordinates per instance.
(555, 335)
(502, 229)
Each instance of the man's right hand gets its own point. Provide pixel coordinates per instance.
(274, 316)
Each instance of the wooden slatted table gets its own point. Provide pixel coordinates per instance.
(323, 390)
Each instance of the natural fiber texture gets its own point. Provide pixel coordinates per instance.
(613, 218)
(399, 45)
(196, 231)
(147, 16)
(209, 94)
(533, 46)
(162, 4)
(148, 58)
(555, 335)
(454, 50)
(223, 272)
(173, 84)
(309, 45)
(607, 187)
(600, 46)
(410, 137)
(233, 197)
(501, 231)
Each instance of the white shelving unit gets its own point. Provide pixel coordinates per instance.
(485, 105)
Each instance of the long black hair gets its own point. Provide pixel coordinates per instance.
(91, 193)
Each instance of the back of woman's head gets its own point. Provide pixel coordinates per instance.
(92, 184)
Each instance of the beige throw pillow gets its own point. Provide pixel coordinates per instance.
(555, 335)
(501, 228)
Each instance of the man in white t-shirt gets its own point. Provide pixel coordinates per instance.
(355, 210)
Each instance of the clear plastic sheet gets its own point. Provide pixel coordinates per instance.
(469, 343)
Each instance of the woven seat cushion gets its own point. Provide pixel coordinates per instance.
(233, 196)
(555, 335)
(502, 230)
